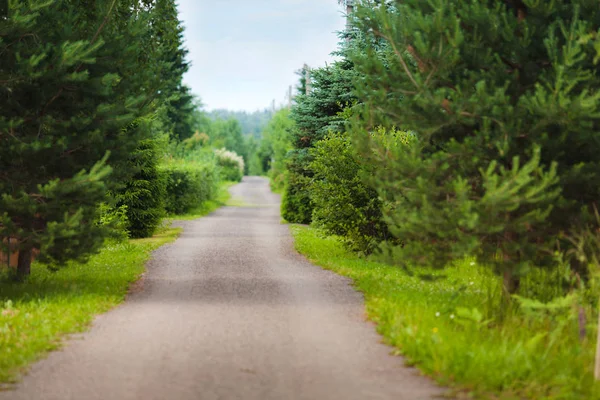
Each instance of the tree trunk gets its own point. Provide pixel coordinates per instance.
(24, 264)
(510, 283)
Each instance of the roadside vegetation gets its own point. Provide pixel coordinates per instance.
(222, 198)
(36, 314)
(448, 163)
(444, 322)
(93, 168)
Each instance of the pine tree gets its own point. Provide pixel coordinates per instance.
(68, 93)
(175, 96)
(503, 99)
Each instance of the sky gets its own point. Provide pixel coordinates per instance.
(244, 53)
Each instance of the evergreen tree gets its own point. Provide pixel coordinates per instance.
(503, 97)
(144, 193)
(314, 114)
(173, 111)
(176, 97)
(68, 92)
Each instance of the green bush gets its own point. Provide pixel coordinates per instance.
(296, 205)
(189, 185)
(231, 165)
(343, 204)
(115, 218)
(143, 194)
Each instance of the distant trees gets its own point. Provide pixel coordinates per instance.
(274, 147)
(228, 134)
(251, 123)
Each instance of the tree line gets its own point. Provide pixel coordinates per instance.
(451, 130)
(99, 137)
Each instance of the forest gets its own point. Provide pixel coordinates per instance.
(447, 162)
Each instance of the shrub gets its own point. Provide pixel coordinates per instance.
(189, 185)
(231, 165)
(343, 204)
(115, 218)
(144, 193)
(296, 205)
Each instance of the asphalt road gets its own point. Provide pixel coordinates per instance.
(230, 311)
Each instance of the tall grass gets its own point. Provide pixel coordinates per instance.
(444, 322)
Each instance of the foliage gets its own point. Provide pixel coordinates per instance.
(228, 134)
(506, 114)
(274, 147)
(221, 199)
(231, 165)
(251, 123)
(296, 205)
(318, 112)
(343, 204)
(444, 323)
(144, 194)
(314, 114)
(115, 219)
(92, 75)
(255, 167)
(176, 99)
(195, 142)
(36, 315)
(189, 184)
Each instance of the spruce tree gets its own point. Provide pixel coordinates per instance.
(315, 114)
(68, 92)
(144, 193)
(503, 99)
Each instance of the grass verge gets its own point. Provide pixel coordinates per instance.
(223, 198)
(35, 315)
(438, 322)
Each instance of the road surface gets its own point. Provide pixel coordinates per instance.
(230, 311)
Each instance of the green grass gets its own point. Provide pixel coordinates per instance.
(438, 322)
(223, 198)
(37, 314)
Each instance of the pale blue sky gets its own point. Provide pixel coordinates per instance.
(244, 53)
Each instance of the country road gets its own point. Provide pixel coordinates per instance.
(230, 311)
